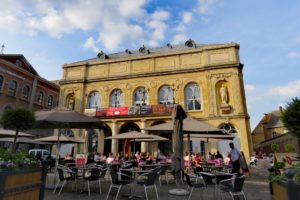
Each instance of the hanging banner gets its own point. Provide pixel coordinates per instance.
(146, 110)
(90, 112)
(115, 111)
(162, 108)
(101, 112)
(134, 110)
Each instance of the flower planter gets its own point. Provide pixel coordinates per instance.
(25, 184)
(285, 190)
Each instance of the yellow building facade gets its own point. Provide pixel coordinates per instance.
(132, 90)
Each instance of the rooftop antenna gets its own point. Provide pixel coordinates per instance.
(2, 49)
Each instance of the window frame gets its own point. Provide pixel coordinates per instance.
(42, 98)
(143, 99)
(12, 91)
(28, 94)
(168, 98)
(115, 95)
(193, 100)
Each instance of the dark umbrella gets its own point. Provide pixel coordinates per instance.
(61, 118)
(178, 116)
(22, 140)
(134, 135)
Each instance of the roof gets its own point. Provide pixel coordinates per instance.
(143, 50)
(13, 58)
(275, 120)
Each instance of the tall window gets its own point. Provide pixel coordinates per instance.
(94, 100)
(141, 97)
(40, 98)
(166, 95)
(192, 97)
(50, 101)
(1, 82)
(25, 92)
(116, 98)
(12, 89)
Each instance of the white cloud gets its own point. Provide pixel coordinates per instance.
(179, 38)
(292, 89)
(186, 18)
(158, 24)
(293, 54)
(249, 88)
(205, 6)
(91, 44)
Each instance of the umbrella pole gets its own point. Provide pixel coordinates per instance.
(57, 155)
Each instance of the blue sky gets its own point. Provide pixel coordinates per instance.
(52, 32)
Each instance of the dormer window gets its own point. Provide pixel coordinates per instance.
(144, 50)
(18, 63)
(190, 43)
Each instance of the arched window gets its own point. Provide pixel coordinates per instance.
(50, 101)
(192, 97)
(94, 100)
(12, 89)
(141, 97)
(1, 82)
(40, 98)
(25, 92)
(116, 98)
(166, 95)
(228, 128)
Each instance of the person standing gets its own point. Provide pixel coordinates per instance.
(234, 155)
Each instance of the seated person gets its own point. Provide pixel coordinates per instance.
(219, 155)
(90, 159)
(110, 158)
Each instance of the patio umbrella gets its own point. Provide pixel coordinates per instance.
(134, 135)
(10, 133)
(23, 140)
(190, 125)
(205, 137)
(63, 118)
(155, 138)
(62, 139)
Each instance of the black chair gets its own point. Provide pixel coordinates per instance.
(192, 185)
(65, 175)
(118, 183)
(102, 177)
(233, 186)
(165, 170)
(94, 175)
(148, 180)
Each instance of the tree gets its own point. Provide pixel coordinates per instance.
(18, 119)
(291, 117)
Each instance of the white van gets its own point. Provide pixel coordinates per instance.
(44, 153)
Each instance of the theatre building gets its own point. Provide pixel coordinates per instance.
(135, 89)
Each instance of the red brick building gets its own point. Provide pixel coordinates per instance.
(21, 85)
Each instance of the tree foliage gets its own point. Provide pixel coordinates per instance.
(291, 117)
(18, 119)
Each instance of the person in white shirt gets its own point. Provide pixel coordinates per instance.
(110, 159)
(234, 155)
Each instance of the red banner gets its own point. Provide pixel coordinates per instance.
(101, 112)
(115, 111)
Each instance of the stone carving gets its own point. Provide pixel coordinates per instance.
(224, 95)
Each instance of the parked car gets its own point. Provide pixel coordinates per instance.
(42, 154)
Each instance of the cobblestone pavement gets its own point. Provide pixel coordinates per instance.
(254, 188)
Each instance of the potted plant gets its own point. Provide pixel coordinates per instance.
(21, 176)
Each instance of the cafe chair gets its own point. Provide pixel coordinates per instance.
(233, 186)
(93, 176)
(65, 175)
(118, 180)
(192, 185)
(102, 177)
(148, 181)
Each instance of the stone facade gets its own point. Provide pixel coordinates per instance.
(207, 67)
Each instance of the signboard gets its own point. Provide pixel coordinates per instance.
(162, 108)
(101, 112)
(115, 111)
(146, 110)
(90, 112)
(134, 110)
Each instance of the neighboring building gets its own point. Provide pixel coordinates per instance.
(21, 85)
(271, 130)
(131, 90)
